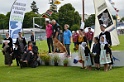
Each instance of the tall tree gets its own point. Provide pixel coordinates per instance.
(28, 20)
(7, 20)
(68, 15)
(90, 21)
(55, 16)
(77, 18)
(2, 21)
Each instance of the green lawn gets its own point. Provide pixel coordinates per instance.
(121, 46)
(60, 73)
(43, 45)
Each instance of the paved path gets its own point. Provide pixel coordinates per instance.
(118, 58)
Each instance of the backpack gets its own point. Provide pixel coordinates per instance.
(80, 38)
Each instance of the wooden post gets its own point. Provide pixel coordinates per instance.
(83, 10)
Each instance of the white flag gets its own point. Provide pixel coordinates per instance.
(16, 18)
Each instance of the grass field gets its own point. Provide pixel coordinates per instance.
(43, 45)
(60, 73)
(121, 46)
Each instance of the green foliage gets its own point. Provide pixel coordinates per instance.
(121, 45)
(77, 18)
(55, 16)
(2, 21)
(90, 21)
(65, 15)
(75, 27)
(65, 61)
(114, 17)
(27, 23)
(56, 59)
(45, 57)
(68, 15)
(7, 20)
(28, 20)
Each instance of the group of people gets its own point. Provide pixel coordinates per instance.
(100, 53)
(22, 51)
(53, 31)
(80, 36)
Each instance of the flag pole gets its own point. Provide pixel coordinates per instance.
(83, 10)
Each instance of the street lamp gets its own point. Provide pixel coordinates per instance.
(35, 25)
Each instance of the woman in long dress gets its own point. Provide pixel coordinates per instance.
(7, 50)
(104, 54)
(88, 58)
(108, 41)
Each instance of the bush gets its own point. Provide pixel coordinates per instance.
(65, 61)
(56, 59)
(75, 27)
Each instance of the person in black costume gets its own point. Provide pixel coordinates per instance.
(30, 54)
(17, 54)
(96, 53)
(21, 42)
(88, 58)
(108, 40)
(32, 37)
(7, 49)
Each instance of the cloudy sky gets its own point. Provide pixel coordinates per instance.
(5, 6)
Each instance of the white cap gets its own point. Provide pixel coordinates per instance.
(104, 25)
(83, 44)
(73, 31)
(47, 19)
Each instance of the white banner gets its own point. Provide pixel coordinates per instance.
(16, 18)
(103, 16)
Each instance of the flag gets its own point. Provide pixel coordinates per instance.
(112, 3)
(103, 16)
(16, 18)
